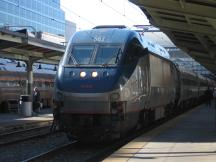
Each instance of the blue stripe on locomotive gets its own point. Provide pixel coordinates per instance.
(107, 79)
(71, 81)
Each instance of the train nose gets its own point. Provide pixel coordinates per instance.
(86, 103)
(87, 80)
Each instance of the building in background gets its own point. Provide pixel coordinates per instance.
(39, 15)
(70, 29)
(43, 19)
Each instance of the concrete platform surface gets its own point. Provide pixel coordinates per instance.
(13, 121)
(190, 137)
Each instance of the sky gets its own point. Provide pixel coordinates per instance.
(89, 13)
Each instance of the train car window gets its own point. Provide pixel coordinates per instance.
(38, 83)
(2, 83)
(22, 83)
(47, 84)
(107, 55)
(52, 84)
(12, 83)
(81, 54)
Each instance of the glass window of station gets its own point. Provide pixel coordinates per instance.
(43, 15)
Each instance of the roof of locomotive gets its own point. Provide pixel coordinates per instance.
(102, 35)
(116, 35)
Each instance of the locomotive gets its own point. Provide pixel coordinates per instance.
(112, 79)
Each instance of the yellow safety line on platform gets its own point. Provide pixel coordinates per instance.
(129, 150)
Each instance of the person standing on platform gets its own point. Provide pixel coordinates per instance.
(36, 100)
(208, 95)
(214, 104)
(214, 96)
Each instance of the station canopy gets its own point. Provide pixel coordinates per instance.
(190, 24)
(18, 45)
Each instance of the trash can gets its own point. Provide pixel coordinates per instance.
(25, 105)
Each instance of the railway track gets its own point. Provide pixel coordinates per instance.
(50, 153)
(23, 126)
(76, 152)
(83, 152)
(79, 152)
(11, 137)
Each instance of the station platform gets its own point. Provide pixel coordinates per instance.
(189, 137)
(12, 121)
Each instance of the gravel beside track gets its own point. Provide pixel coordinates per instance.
(26, 149)
(80, 152)
(12, 137)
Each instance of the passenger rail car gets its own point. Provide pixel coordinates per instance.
(13, 84)
(112, 79)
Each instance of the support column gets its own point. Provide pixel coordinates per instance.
(29, 71)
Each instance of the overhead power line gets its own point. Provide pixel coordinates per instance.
(71, 11)
(89, 21)
(116, 11)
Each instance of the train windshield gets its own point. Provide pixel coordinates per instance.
(95, 55)
(81, 55)
(107, 55)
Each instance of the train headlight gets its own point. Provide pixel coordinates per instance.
(82, 74)
(94, 74)
(114, 96)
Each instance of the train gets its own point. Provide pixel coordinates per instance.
(112, 79)
(13, 82)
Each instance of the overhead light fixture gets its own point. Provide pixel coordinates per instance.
(18, 64)
(55, 68)
(39, 66)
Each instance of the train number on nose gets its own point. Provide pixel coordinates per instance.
(87, 86)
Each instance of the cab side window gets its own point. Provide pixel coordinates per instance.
(133, 51)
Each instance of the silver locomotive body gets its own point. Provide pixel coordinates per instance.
(149, 92)
(109, 82)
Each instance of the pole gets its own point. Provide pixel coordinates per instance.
(214, 104)
(29, 77)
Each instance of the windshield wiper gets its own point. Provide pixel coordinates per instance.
(105, 64)
(117, 57)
